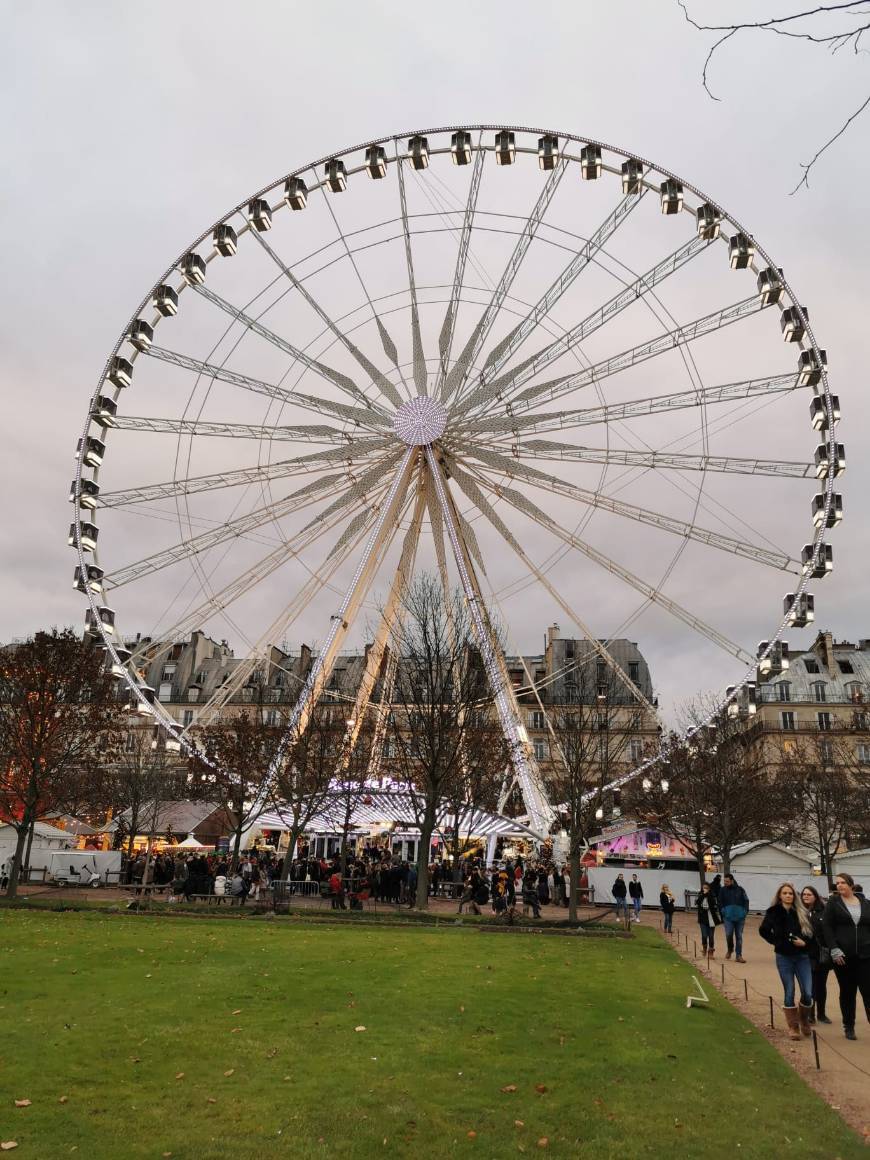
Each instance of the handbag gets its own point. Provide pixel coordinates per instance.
(824, 957)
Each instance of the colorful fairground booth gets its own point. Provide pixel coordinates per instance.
(643, 847)
(383, 820)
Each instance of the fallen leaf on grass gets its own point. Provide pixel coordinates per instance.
(519, 1123)
(211, 1100)
(271, 1053)
(543, 1142)
(230, 1071)
(147, 976)
(63, 1099)
(509, 1087)
(360, 1028)
(540, 1088)
(237, 1011)
(8, 1145)
(179, 1075)
(472, 1135)
(23, 1103)
(235, 1030)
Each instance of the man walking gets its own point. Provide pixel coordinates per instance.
(734, 907)
(635, 891)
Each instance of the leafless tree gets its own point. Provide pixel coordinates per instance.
(592, 732)
(142, 777)
(829, 794)
(58, 726)
(485, 758)
(304, 784)
(233, 758)
(832, 26)
(440, 685)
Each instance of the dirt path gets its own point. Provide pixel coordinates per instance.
(844, 1078)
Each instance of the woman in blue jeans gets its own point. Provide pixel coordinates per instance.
(787, 926)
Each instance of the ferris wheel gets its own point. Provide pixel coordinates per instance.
(547, 369)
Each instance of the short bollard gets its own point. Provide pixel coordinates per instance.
(816, 1050)
(746, 990)
(695, 945)
(770, 997)
(722, 965)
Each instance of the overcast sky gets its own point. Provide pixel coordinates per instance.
(127, 130)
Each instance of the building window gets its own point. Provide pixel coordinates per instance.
(187, 717)
(824, 721)
(388, 750)
(569, 650)
(536, 719)
(570, 691)
(635, 747)
(634, 671)
(165, 693)
(270, 717)
(130, 742)
(193, 693)
(863, 753)
(812, 666)
(845, 667)
(819, 691)
(855, 692)
(787, 720)
(826, 752)
(783, 691)
(168, 672)
(542, 749)
(279, 680)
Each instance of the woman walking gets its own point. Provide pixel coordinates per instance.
(668, 904)
(846, 923)
(820, 956)
(619, 891)
(787, 927)
(708, 918)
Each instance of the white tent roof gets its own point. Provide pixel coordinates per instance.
(191, 843)
(378, 807)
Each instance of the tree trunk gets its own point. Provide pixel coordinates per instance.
(726, 860)
(288, 857)
(702, 875)
(30, 832)
(574, 879)
(426, 831)
(827, 869)
(12, 888)
(237, 841)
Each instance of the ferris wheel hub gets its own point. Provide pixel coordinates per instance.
(420, 421)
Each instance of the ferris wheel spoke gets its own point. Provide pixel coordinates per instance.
(387, 342)
(458, 376)
(664, 460)
(304, 465)
(377, 376)
(523, 504)
(418, 358)
(240, 585)
(309, 433)
(362, 417)
(505, 349)
(470, 486)
(359, 488)
(276, 631)
(233, 530)
(509, 383)
(515, 425)
(343, 382)
(445, 338)
(596, 499)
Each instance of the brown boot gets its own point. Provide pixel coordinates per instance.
(805, 1014)
(792, 1019)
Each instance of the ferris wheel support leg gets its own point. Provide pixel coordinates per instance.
(540, 811)
(320, 670)
(375, 655)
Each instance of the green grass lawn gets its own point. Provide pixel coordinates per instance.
(143, 1037)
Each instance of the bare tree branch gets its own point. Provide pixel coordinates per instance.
(834, 39)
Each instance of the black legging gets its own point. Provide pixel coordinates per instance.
(853, 976)
(820, 986)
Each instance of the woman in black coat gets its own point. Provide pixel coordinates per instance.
(708, 918)
(820, 956)
(846, 923)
